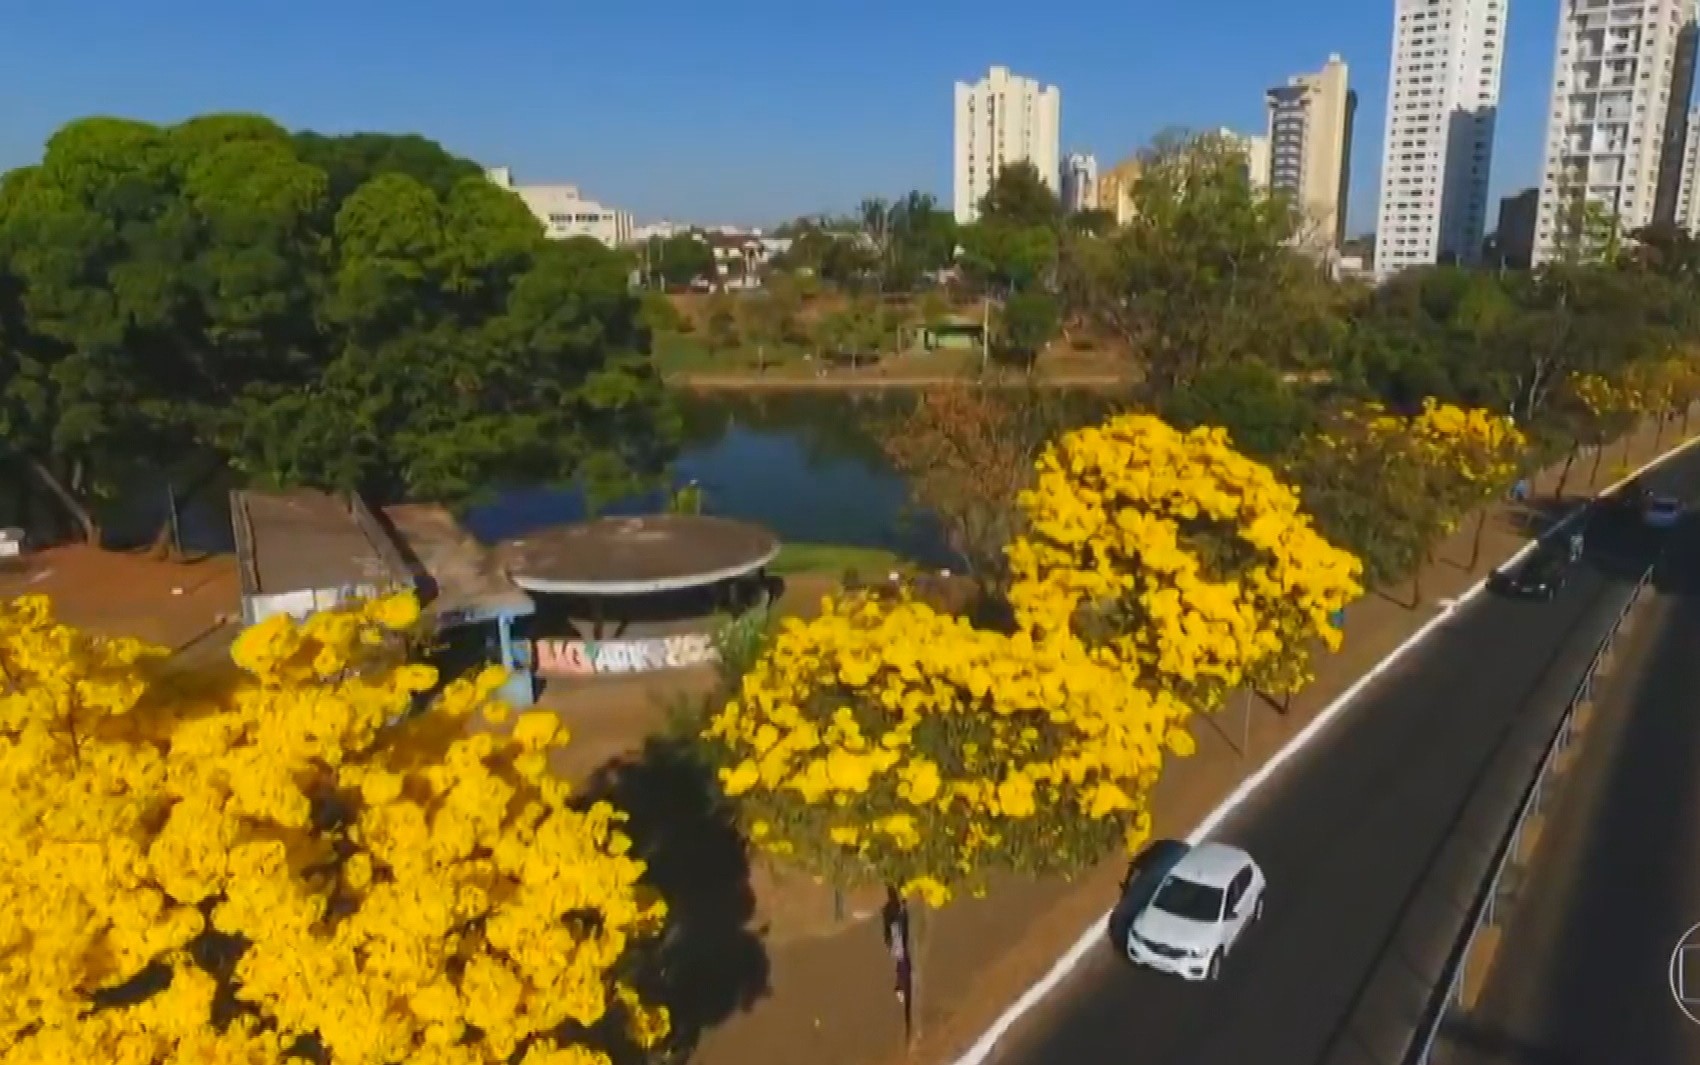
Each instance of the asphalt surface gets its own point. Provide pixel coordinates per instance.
(1583, 972)
(1348, 831)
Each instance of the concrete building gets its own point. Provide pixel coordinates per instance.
(565, 212)
(1442, 103)
(1514, 237)
(1310, 149)
(1612, 120)
(1002, 119)
(1688, 189)
(1080, 182)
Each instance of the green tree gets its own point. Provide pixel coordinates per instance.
(340, 312)
(1019, 197)
(1029, 321)
(1263, 413)
(1203, 273)
(679, 259)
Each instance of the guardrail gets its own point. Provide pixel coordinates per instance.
(1485, 910)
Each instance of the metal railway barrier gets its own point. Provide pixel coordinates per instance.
(1485, 912)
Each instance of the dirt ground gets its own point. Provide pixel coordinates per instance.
(172, 604)
(825, 994)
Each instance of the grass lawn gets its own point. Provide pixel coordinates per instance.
(689, 353)
(870, 563)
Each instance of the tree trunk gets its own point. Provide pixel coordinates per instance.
(1564, 474)
(1658, 431)
(1599, 453)
(78, 512)
(1476, 540)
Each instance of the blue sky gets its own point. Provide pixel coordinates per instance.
(745, 111)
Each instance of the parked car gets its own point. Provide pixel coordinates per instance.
(1662, 512)
(1198, 912)
(1540, 576)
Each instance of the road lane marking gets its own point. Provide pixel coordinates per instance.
(1070, 960)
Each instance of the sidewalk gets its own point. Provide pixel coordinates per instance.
(831, 1001)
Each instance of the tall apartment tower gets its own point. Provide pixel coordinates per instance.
(1687, 213)
(1442, 100)
(1310, 149)
(1001, 119)
(1616, 122)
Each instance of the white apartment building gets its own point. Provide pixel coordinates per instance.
(1442, 101)
(565, 212)
(1001, 119)
(1080, 182)
(1310, 149)
(1614, 73)
(1688, 196)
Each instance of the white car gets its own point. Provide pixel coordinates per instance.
(1662, 512)
(1199, 911)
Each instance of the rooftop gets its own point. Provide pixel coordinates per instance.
(303, 539)
(463, 576)
(637, 555)
(1214, 864)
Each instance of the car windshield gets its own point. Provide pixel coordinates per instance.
(1189, 899)
(1545, 565)
(1666, 505)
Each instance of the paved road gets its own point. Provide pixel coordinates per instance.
(1583, 971)
(1347, 832)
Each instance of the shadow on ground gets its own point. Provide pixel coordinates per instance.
(1535, 518)
(709, 963)
(1471, 1037)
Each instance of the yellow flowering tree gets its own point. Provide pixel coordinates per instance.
(295, 863)
(1476, 452)
(1190, 561)
(892, 744)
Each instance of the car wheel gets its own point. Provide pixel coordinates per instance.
(1215, 970)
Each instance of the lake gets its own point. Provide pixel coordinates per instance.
(804, 464)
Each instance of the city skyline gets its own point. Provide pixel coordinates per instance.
(771, 132)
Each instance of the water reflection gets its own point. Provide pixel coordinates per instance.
(806, 465)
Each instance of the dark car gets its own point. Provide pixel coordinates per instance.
(1541, 576)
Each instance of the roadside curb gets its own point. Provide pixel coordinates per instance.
(983, 1048)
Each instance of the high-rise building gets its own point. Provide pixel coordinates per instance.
(1080, 182)
(1310, 149)
(1688, 193)
(1001, 119)
(1514, 238)
(1442, 100)
(1619, 108)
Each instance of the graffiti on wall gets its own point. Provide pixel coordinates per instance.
(586, 658)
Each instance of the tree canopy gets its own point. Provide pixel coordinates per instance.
(340, 312)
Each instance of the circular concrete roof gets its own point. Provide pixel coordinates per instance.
(636, 556)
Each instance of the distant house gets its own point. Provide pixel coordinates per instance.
(953, 332)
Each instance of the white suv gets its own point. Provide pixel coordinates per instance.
(1199, 911)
